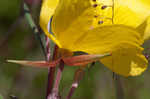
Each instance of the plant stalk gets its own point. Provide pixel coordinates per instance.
(31, 23)
(77, 78)
(55, 92)
(51, 73)
(119, 88)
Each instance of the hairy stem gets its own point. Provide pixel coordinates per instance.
(30, 21)
(55, 92)
(77, 78)
(51, 73)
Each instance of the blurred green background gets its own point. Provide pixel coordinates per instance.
(30, 83)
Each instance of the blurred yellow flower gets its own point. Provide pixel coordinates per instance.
(101, 26)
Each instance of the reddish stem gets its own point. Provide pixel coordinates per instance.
(51, 73)
(72, 90)
(58, 76)
(119, 88)
(77, 78)
(55, 92)
(48, 48)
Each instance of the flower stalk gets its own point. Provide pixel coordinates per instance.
(77, 78)
(51, 73)
(55, 91)
(31, 23)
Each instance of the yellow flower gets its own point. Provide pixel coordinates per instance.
(101, 26)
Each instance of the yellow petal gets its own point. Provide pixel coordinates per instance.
(99, 40)
(68, 12)
(145, 2)
(47, 10)
(126, 60)
(85, 15)
(147, 30)
(126, 12)
(137, 13)
(138, 65)
(144, 29)
(77, 29)
(132, 13)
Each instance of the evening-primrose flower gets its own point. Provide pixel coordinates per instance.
(99, 27)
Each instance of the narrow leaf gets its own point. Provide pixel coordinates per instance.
(82, 59)
(35, 63)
